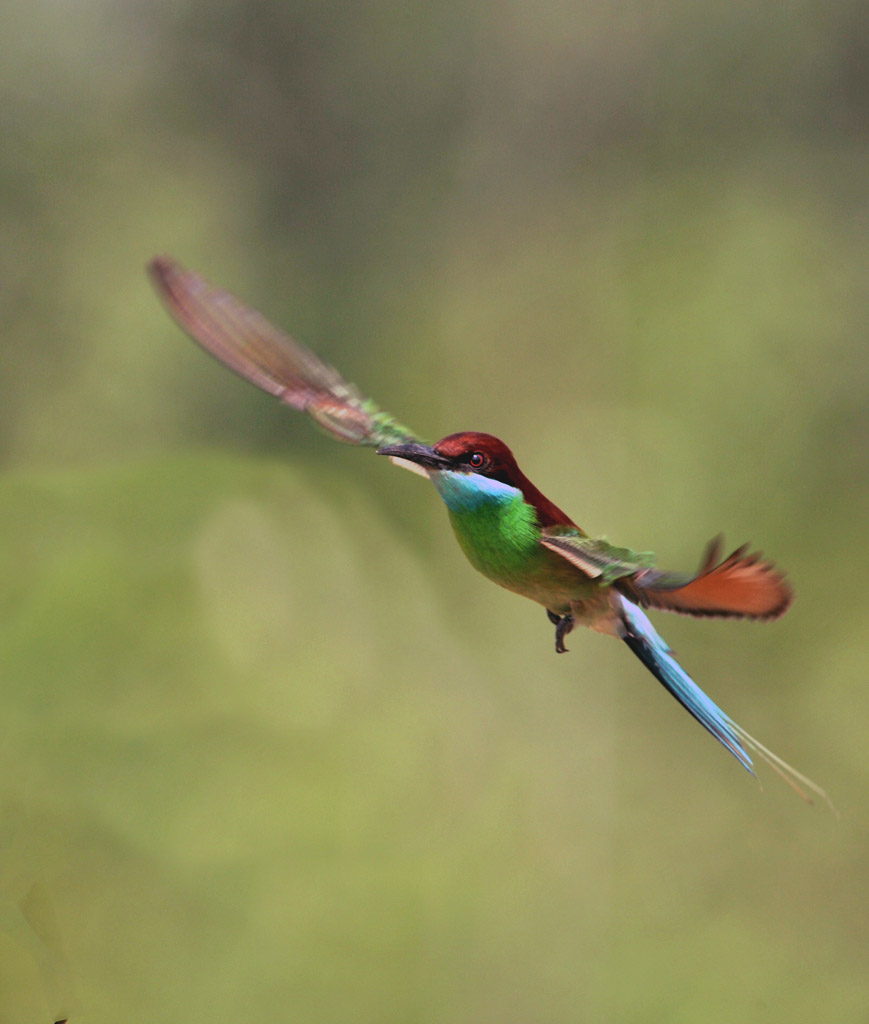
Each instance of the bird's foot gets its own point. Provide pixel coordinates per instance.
(563, 625)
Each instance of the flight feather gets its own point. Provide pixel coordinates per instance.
(245, 341)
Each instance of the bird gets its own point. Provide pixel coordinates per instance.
(507, 528)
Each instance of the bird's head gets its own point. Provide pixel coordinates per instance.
(482, 455)
(467, 452)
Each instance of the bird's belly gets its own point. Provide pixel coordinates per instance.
(554, 586)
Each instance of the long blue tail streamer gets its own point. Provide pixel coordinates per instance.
(652, 650)
(643, 639)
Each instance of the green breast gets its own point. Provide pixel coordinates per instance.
(499, 534)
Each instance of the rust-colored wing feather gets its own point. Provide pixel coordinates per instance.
(743, 585)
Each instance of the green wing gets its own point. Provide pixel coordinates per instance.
(242, 339)
(744, 585)
(597, 558)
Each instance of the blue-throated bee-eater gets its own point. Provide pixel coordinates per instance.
(508, 530)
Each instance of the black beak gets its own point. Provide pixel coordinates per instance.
(421, 454)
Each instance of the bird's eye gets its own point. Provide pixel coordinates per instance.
(477, 460)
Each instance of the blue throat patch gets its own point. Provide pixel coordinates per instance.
(464, 492)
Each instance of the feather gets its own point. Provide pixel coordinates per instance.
(743, 585)
(644, 640)
(246, 342)
(594, 556)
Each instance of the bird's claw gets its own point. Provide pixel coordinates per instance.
(563, 625)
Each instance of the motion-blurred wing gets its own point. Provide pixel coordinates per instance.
(247, 343)
(743, 585)
(596, 558)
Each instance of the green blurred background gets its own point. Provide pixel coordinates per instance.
(270, 749)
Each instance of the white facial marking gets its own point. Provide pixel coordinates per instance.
(414, 467)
